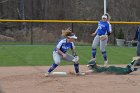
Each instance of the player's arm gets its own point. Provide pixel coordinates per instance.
(94, 33)
(58, 49)
(61, 53)
(76, 57)
(109, 29)
(73, 50)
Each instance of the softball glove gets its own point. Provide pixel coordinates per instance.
(103, 37)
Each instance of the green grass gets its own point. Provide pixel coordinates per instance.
(36, 55)
(116, 55)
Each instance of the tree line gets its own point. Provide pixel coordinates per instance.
(120, 10)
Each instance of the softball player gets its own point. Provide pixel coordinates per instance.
(60, 53)
(137, 38)
(101, 36)
(93, 68)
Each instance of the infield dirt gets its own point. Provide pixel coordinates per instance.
(32, 80)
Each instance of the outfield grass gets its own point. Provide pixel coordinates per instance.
(36, 55)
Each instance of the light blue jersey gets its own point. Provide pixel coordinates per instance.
(103, 28)
(63, 45)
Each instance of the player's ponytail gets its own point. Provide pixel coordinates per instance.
(66, 32)
(108, 16)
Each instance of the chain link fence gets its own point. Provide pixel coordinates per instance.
(49, 33)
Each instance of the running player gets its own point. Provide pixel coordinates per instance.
(101, 36)
(94, 68)
(60, 53)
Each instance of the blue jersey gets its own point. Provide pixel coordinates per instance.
(63, 45)
(103, 28)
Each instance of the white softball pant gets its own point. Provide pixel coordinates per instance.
(57, 58)
(97, 40)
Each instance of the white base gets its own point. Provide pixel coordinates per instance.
(59, 73)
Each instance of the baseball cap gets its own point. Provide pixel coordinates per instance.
(72, 36)
(104, 16)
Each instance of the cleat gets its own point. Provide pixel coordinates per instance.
(105, 63)
(47, 74)
(131, 68)
(136, 58)
(80, 74)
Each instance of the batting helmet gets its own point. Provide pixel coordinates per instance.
(91, 64)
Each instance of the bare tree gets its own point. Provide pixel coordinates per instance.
(21, 12)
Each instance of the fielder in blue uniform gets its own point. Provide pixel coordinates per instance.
(60, 53)
(101, 36)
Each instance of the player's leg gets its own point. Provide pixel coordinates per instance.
(70, 58)
(57, 60)
(103, 44)
(132, 64)
(137, 58)
(138, 54)
(138, 49)
(73, 59)
(94, 45)
(122, 70)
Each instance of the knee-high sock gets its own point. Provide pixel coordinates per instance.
(104, 55)
(93, 53)
(52, 67)
(131, 63)
(130, 66)
(76, 66)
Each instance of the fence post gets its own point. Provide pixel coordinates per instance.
(32, 23)
(114, 35)
(72, 27)
(31, 41)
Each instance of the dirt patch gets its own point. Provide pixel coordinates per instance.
(32, 80)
